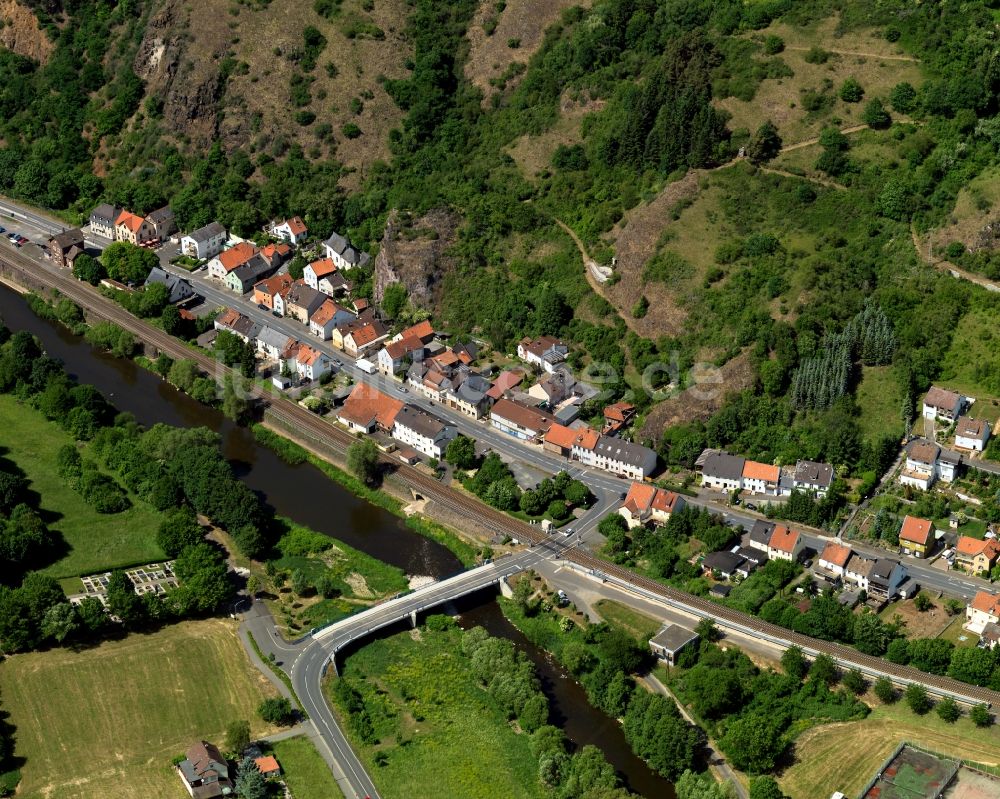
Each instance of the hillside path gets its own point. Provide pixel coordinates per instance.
(947, 266)
(911, 59)
(589, 264)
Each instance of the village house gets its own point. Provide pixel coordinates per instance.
(760, 478)
(470, 396)
(504, 383)
(316, 270)
(205, 772)
(103, 219)
(722, 471)
(885, 578)
(271, 343)
(162, 223)
(276, 254)
(755, 558)
(467, 352)
(520, 421)
(618, 416)
(858, 571)
(243, 278)
(308, 362)
(423, 431)
(670, 642)
(760, 535)
(367, 409)
(972, 433)
(647, 503)
(395, 355)
(545, 352)
(326, 318)
(942, 404)
(358, 336)
(205, 242)
(976, 556)
(559, 439)
(724, 564)
(343, 254)
(812, 477)
(292, 230)
(265, 291)
(916, 537)
(133, 229)
(421, 331)
(785, 544)
(926, 462)
(178, 289)
(833, 559)
(236, 323)
(553, 387)
(65, 246)
(228, 260)
(615, 455)
(302, 302)
(982, 610)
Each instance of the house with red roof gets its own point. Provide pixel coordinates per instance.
(133, 229)
(761, 478)
(975, 555)
(916, 537)
(648, 503)
(617, 416)
(233, 258)
(358, 336)
(785, 544)
(982, 610)
(325, 318)
(367, 409)
(292, 230)
(833, 559)
(313, 272)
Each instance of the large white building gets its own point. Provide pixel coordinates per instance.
(205, 242)
(423, 431)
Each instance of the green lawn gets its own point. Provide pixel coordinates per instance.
(636, 624)
(972, 365)
(305, 772)
(106, 721)
(441, 734)
(95, 541)
(880, 402)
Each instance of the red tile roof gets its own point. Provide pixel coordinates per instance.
(325, 313)
(917, 531)
(587, 439)
(783, 539)
(130, 220)
(421, 330)
(366, 405)
(397, 349)
(987, 603)
(274, 285)
(296, 225)
(267, 765)
(504, 382)
(835, 553)
(323, 267)
(619, 411)
(237, 255)
(761, 471)
(561, 436)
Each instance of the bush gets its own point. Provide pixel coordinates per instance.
(981, 716)
(885, 690)
(917, 699)
(947, 709)
(851, 91)
(816, 55)
(350, 130)
(276, 711)
(773, 44)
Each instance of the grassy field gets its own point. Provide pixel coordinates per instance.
(107, 721)
(96, 541)
(880, 402)
(843, 757)
(637, 624)
(974, 209)
(972, 365)
(306, 773)
(441, 733)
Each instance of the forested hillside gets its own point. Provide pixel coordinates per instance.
(762, 172)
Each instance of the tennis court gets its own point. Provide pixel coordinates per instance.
(913, 775)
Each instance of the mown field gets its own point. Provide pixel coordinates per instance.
(305, 772)
(107, 721)
(95, 541)
(439, 732)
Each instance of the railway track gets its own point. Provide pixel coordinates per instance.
(311, 426)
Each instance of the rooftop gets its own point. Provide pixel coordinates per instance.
(420, 422)
(968, 427)
(673, 637)
(523, 416)
(367, 406)
(723, 465)
(916, 530)
(986, 602)
(813, 473)
(923, 451)
(942, 399)
(237, 255)
(837, 554)
(753, 470)
(207, 232)
(323, 267)
(784, 539)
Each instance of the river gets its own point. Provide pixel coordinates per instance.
(303, 493)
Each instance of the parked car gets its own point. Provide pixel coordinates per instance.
(563, 599)
(750, 506)
(261, 306)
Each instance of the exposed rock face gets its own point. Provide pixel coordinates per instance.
(21, 32)
(189, 85)
(414, 252)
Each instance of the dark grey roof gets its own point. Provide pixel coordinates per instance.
(820, 474)
(346, 250)
(469, 347)
(720, 589)
(761, 531)
(567, 414)
(753, 555)
(105, 212)
(626, 452)
(302, 295)
(161, 215)
(254, 269)
(725, 562)
(473, 389)
(421, 422)
(68, 238)
(883, 569)
(673, 638)
(948, 456)
(179, 288)
(723, 465)
(210, 230)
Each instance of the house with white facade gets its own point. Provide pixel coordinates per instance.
(545, 352)
(271, 343)
(228, 260)
(813, 477)
(982, 610)
(394, 355)
(367, 409)
(520, 421)
(205, 242)
(926, 463)
(885, 578)
(760, 478)
(972, 433)
(785, 543)
(102, 220)
(942, 404)
(858, 571)
(648, 503)
(833, 559)
(614, 455)
(343, 253)
(722, 471)
(325, 318)
(292, 230)
(423, 431)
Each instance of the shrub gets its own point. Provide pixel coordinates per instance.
(917, 699)
(773, 44)
(276, 711)
(851, 91)
(350, 130)
(816, 55)
(947, 709)
(885, 690)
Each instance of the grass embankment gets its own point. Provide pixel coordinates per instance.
(439, 732)
(294, 453)
(844, 756)
(107, 721)
(638, 625)
(305, 772)
(126, 539)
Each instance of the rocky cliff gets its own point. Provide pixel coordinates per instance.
(414, 252)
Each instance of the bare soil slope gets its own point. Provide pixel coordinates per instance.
(21, 32)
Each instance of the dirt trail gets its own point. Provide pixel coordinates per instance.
(589, 264)
(879, 56)
(947, 266)
(810, 142)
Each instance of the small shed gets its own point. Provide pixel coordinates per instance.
(669, 642)
(720, 590)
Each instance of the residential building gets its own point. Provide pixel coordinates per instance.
(312, 273)
(989, 638)
(103, 219)
(723, 563)
(343, 253)
(293, 230)
(942, 404)
(785, 544)
(423, 431)
(553, 387)
(760, 535)
(271, 343)
(885, 578)
(237, 324)
(976, 556)
(753, 556)
(265, 291)
(559, 439)
(205, 772)
(982, 610)
(618, 416)
(545, 352)
(833, 559)
(858, 571)
(812, 477)
(336, 284)
(326, 318)
(205, 242)
(358, 336)
(520, 421)
(760, 478)
(916, 537)
(367, 409)
(972, 433)
(670, 641)
(615, 455)
(276, 254)
(228, 260)
(162, 223)
(926, 462)
(133, 229)
(467, 352)
(505, 382)
(302, 302)
(395, 355)
(470, 396)
(722, 471)
(309, 363)
(647, 503)
(178, 289)
(421, 331)
(65, 246)
(245, 276)
(268, 766)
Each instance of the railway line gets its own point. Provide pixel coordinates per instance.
(307, 424)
